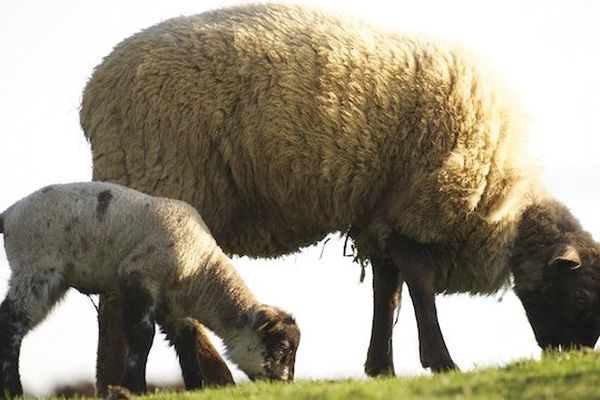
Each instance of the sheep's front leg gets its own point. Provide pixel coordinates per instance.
(387, 283)
(417, 269)
(201, 364)
(137, 305)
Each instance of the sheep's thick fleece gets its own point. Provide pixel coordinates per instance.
(281, 124)
(93, 236)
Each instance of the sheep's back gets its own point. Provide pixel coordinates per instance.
(242, 144)
(282, 124)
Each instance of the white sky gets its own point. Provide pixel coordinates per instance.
(548, 51)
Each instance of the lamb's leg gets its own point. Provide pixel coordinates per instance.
(28, 301)
(12, 330)
(110, 359)
(417, 269)
(201, 364)
(387, 284)
(137, 306)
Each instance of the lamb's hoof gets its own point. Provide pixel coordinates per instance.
(216, 374)
(220, 381)
(118, 393)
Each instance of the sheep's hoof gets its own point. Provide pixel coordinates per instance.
(444, 366)
(374, 370)
(118, 393)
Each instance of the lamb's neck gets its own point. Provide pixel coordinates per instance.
(219, 298)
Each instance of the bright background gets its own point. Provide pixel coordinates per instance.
(548, 51)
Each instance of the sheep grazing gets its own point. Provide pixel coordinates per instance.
(158, 256)
(281, 124)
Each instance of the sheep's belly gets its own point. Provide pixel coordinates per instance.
(92, 281)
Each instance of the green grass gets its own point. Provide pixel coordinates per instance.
(569, 375)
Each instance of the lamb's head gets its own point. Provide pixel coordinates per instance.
(267, 348)
(560, 290)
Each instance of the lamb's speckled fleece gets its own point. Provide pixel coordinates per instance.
(105, 238)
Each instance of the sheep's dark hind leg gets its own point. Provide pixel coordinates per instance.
(201, 364)
(137, 306)
(12, 330)
(416, 266)
(387, 284)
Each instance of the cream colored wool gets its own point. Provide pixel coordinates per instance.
(281, 124)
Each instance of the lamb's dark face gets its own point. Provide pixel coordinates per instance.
(564, 306)
(280, 337)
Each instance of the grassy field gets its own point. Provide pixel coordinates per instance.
(569, 375)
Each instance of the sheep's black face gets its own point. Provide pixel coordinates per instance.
(569, 321)
(281, 337)
(564, 309)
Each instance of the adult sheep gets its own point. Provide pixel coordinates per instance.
(158, 257)
(281, 124)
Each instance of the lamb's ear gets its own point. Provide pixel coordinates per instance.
(266, 320)
(565, 257)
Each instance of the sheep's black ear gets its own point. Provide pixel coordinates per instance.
(565, 257)
(266, 321)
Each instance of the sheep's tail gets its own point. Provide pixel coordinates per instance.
(2, 223)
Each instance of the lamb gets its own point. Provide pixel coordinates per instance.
(281, 124)
(158, 256)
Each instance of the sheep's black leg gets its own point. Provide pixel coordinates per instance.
(110, 359)
(12, 330)
(201, 364)
(138, 324)
(417, 269)
(387, 283)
